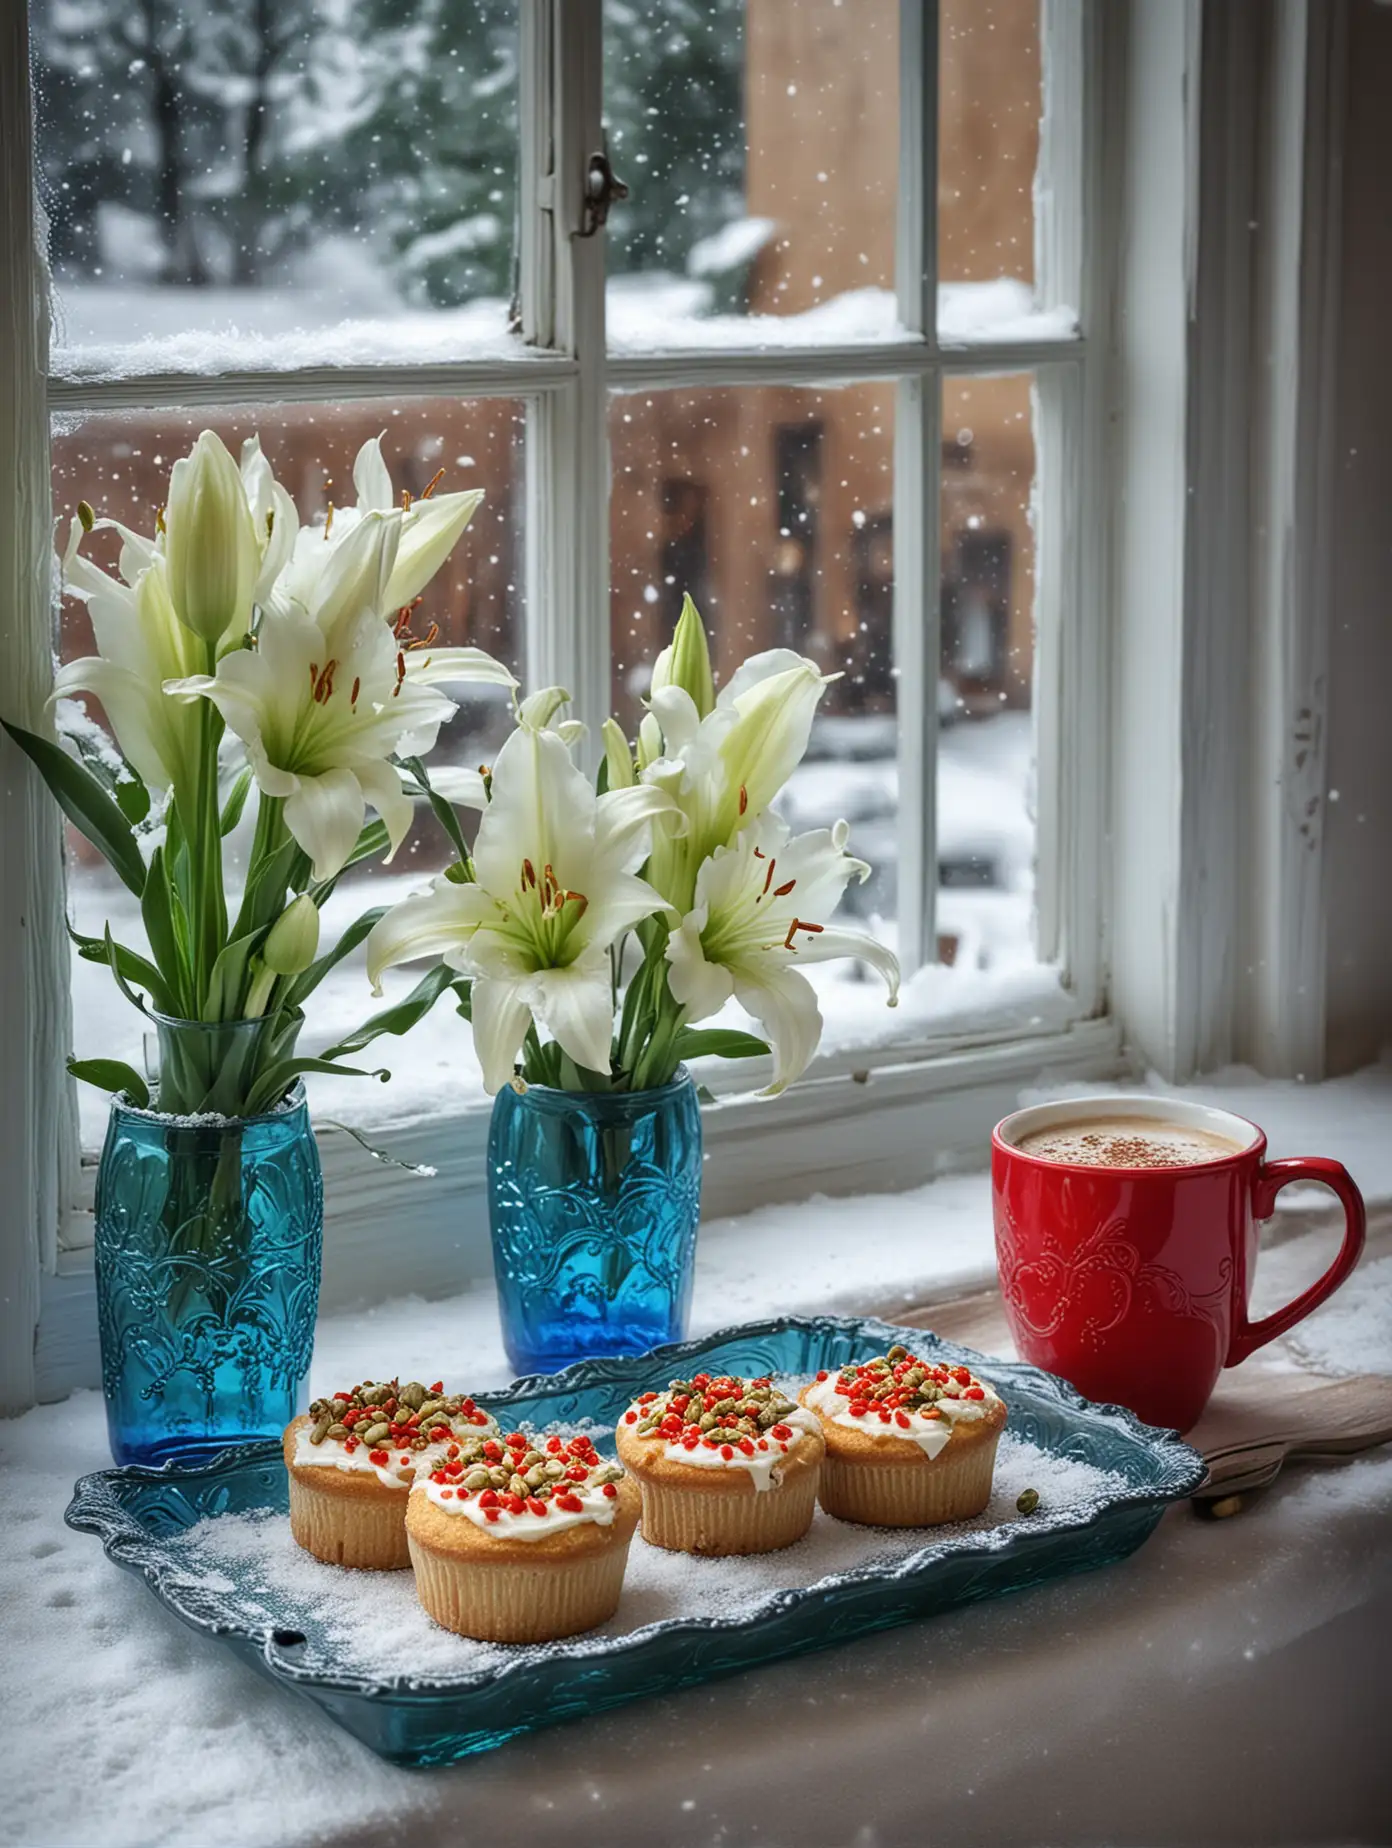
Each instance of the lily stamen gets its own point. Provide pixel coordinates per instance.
(353, 696)
(783, 890)
(435, 481)
(328, 520)
(797, 924)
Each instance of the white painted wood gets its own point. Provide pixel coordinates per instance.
(567, 432)
(869, 1132)
(1075, 233)
(1155, 61)
(918, 489)
(831, 365)
(1283, 1024)
(464, 378)
(37, 1142)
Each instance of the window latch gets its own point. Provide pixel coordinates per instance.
(602, 187)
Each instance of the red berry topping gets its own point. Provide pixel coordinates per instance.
(513, 1503)
(488, 1499)
(822, 1374)
(746, 1444)
(974, 1392)
(630, 1417)
(727, 1451)
(493, 1451)
(439, 1386)
(490, 1514)
(379, 1457)
(478, 1418)
(902, 1418)
(571, 1503)
(782, 1430)
(537, 1505)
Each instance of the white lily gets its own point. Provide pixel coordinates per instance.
(428, 530)
(141, 643)
(725, 769)
(554, 888)
(320, 713)
(761, 911)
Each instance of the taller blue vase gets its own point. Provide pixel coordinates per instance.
(209, 1233)
(594, 1199)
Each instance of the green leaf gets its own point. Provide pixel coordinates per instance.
(236, 801)
(225, 997)
(134, 967)
(113, 1075)
(400, 1018)
(464, 994)
(277, 1079)
(717, 1043)
(117, 972)
(443, 811)
(86, 804)
(305, 984)
(168, 943)
(126, 788)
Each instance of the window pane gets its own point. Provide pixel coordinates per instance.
(772, 507)
(228, 182)
(120, 464)
(985, 744)
(989, 105)
(759, 142)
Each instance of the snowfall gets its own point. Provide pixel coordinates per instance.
(126, 1728)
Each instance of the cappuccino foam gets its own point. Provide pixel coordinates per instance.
(1127, 1142)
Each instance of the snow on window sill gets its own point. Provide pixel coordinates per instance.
(654, 313)
(262, 330)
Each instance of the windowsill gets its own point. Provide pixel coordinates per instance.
(1245, 1632)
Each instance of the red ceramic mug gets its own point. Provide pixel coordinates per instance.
(1134, 1282)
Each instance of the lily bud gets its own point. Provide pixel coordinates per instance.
(649, 741)
(211, 545)
(617, 756)
(292, 942)
(686, 663)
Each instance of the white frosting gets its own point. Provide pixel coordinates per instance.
(930, 1434)
(762, 1466)
(596, 1507)
(394, 1473)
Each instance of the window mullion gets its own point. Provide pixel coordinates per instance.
(917, 458)
(567, 459)
(38, 1143)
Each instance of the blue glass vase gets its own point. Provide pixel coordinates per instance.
(593, 1200)
(208, 1246)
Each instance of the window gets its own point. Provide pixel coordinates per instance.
(823, 367)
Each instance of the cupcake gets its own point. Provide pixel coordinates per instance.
(726, 1465)
(909, 1442)
(521, 1540)
(353, 1459)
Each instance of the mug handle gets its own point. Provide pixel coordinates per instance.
(1272, 1176)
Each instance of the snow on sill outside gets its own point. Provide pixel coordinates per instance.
(205, 332)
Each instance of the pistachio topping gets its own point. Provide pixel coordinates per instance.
(895, 1387)
(387, 1416)
(716, 1412)
(517, 1474)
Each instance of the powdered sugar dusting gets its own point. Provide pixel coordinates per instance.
(370, 1623)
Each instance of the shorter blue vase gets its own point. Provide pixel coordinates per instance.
(593, 1200)
(208, 1247)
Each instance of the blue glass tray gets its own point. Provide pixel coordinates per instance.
(139, 1514)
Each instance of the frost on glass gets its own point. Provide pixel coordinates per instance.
(989, 104)
(224, 173)
(759, 142)
(772, 507)
(120, 464)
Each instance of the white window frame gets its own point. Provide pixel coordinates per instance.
(900, 1112)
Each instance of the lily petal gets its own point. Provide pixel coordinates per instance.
(577, 1005)
(430, 531)
(371, 479)
(501, 1019)
(325, 815)
(381, 785)
(785, 1005)
(425, 925)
